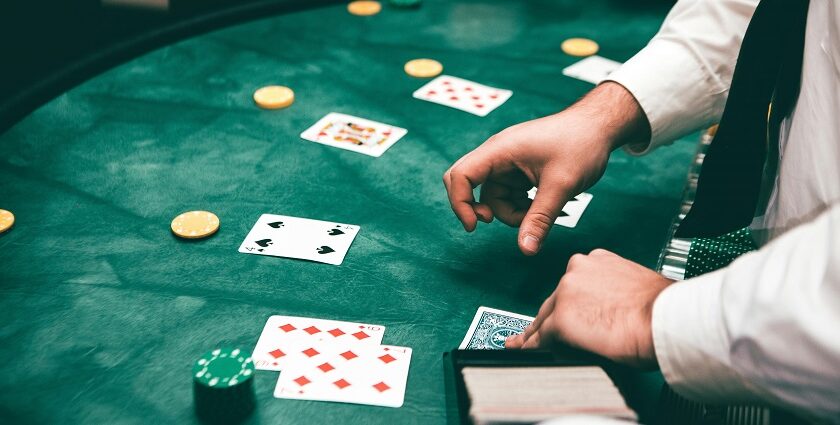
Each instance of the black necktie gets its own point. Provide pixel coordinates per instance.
(768, 69)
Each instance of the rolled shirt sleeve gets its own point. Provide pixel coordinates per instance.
(765, 328)
(681, 78)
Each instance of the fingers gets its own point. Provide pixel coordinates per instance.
(545, 312)
(544, 337)
(546, 309)
(538, 336)
(504, 202)
(514, 341)
(550, 199)
(483, 212)
(598, 252)
(533, 342)
(460, 180)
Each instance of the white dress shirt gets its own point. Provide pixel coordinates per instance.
(767, 327)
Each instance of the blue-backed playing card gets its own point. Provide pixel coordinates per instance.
(490, 327)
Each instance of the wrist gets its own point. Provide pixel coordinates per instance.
(614, 115)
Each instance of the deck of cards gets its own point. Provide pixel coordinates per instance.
(329, 360)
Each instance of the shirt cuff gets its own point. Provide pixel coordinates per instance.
(674, 90)
(692, 344)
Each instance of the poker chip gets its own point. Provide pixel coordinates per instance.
(579, 47)
(423, 68)
(195, 224)
(7, 219)
(711, 131)
(364, 7)
(223, 385)
(274, 97)
(405, 3)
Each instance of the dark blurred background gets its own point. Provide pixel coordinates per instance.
(47, 46)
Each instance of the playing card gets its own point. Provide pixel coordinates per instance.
(284, 338)
(572, 211)
(294, 237)
(593, 69)
(463, 94)
(374, 375)
(354, 134)
(490, 327)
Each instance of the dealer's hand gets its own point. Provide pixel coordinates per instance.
(562, 154)
(602, 304)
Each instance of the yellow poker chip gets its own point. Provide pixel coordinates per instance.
(712, 130)
(423, 68)
(364, 7)
(274, 97)
(7, 219)
(579, 47)
(195, 224)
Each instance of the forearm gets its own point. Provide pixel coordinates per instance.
(681, 78)
(613, 113)
(764, 328)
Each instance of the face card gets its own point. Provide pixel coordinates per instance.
(491, 327)
(374, 375)
(593, 69)
(463, 94)
(285, 338)
(354, 134)
(572, 211)
(302, 238)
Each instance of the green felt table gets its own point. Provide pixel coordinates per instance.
(104, 310)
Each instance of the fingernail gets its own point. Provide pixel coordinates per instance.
(531, 243)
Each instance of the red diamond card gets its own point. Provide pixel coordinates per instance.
(367, 374)
(285, 338)
(463, 94)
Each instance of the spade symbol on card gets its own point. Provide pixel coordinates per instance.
(325, 250)
(334, 232)
(276, 224)
(264, 243)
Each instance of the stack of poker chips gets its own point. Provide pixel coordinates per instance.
(223, 385)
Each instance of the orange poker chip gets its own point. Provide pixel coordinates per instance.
(195, 224)
(364, 7)
(579, 47)
(274, 97)
(7, 220)
(423, 68)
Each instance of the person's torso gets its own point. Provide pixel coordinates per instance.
(808, 178)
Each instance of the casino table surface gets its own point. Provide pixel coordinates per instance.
(104, 310)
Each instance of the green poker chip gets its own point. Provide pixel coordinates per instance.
(405, 3)
(223, 385)
(223, 367)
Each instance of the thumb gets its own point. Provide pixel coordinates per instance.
(547, 205)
